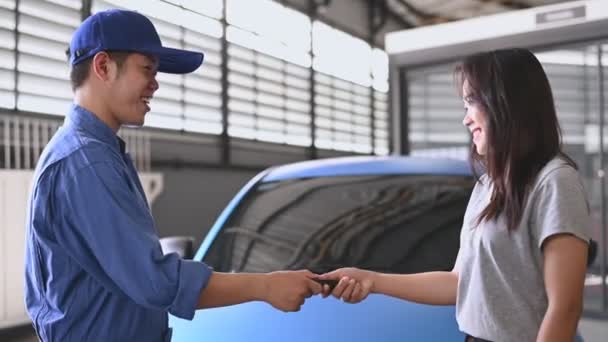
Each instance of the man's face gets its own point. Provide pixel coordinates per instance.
(131, 88)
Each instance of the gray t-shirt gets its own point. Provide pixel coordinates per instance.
(501, 292)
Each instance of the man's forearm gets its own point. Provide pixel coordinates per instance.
(437, 288)
(225, 289)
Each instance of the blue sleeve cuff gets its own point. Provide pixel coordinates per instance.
(193, 278)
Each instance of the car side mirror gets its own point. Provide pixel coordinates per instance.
(182, 245)
(592, 252)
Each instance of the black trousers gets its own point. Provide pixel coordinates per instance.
(469, 338)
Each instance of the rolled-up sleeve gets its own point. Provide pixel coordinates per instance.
(106, 225)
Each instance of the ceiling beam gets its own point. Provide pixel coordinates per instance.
(394, 15)
(422, 17)
(415, 11)
(511, 4)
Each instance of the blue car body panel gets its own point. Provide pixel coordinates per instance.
(378, 318)
(352, 166)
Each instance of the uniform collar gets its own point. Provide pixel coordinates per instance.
(85, 120)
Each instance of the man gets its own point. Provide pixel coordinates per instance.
(94, 266)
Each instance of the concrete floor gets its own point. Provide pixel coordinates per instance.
(591, 329)
(21, 334)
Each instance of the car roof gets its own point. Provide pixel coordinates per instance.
(369, 165)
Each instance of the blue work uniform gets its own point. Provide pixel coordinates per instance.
(95, 270)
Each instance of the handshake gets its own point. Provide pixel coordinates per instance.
(287, 290)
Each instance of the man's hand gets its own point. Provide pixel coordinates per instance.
(287, 290)
(354, 284)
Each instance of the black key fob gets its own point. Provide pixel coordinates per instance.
(332, 283)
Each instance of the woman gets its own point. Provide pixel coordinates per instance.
(520, 270)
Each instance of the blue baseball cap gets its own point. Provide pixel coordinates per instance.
(121, 30)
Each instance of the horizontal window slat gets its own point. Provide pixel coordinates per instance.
(240, 119)
(202, 90)
(7, 59)
(169, 79)
(43, 28)
(52, 12)
(7, 79)
(44, 86)
(39, 65)
(166, 107)
(297, 105)
(240, 66)
(167, 32)
(160, 120)
(242, 93)
(168, 92)
(270, 112)
(207, 71)
(193, 125)
(241, 106)
(7, 99)
(241, 80)
(209, 100)
(7, 18)
(274, 88)
(202, 113)
(44, 48)
(42, 104)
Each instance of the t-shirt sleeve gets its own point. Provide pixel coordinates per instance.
(458, 261)
(561, 206)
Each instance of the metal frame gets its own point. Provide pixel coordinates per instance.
(602, 178)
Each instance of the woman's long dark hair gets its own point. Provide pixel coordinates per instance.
(522, 132)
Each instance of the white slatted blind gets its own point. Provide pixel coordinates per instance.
(351, 74)
(380, 86)
(190, 102)
(381, 142)
(211, 8)
(203, 89)
(435, 110)
(269, 98)
(7, 54)
(343, 113)
(571, 94)
(45, 29)
(269, 72)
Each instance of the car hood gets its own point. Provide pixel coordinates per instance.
(378, 318)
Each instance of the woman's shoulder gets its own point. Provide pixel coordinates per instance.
(557, 170)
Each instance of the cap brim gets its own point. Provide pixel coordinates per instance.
(175, 61)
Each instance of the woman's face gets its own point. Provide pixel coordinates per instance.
(474, 118)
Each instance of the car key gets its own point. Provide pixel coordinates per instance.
(331, 282)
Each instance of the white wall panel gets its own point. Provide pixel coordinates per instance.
(14, 190)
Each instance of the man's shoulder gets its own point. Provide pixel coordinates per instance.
(72, 150)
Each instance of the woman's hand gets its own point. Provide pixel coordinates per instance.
(354, 284)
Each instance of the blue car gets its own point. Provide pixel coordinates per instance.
(389, 214)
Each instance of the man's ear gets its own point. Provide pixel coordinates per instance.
(102, 66)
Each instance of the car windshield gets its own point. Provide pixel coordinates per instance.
(398, 224)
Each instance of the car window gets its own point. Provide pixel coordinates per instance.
(401, 224)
